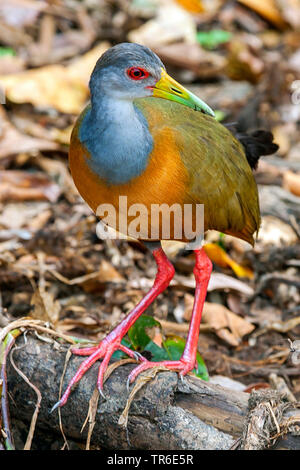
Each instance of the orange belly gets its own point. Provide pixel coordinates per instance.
(163, 182)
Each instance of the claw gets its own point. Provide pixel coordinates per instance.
(177, 366)
(139, 356)
(100, 390)
(128, 384)
(134, 354)
(103, 351)
(57, 405)
(182, 379)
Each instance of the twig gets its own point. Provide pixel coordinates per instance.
(91, 417)
(180, 327)
(39, 398)
(5, 348)
(67, 358)
(28, 322)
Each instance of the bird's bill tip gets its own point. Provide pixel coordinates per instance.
(169, 89)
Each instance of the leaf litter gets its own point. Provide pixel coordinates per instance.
(54, 269)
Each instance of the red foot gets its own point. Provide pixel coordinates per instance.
(112, 342)
(181, 366)
(103, 351)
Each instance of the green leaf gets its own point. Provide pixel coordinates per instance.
(221, 241)
(158, 354)
(219, 115)
(174, 346)
(6, 51)
(212, 39)
(6, 343)
(137, 333)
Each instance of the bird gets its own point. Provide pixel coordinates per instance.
(146, 138)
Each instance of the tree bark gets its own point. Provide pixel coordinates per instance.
(165, 414)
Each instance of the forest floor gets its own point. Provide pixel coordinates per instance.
(53, 267)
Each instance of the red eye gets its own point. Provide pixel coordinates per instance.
(137, 73)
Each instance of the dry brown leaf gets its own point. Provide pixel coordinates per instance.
(50, 87)
(62, 136)
(219, 316)
(216, 281)
(290, 10)
(291, 182)
(267, 9)
(45, 307)
(275, 232)
(17, 185)
(86, 323)
(13, 142)
(54, 86)
(40, 220)
(227, 336)
(242, 64)
(282, 138)
(174, 328)
(171, 24)
(11, 64)
(205, 64)
(107, 273)
(19, 13)
(82, 67)
(283, 326)
(37, 128)
(93, 281)
(16, 215)
(58, 170)
(222, 281)
(227, 325)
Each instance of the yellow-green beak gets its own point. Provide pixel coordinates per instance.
(169, 89)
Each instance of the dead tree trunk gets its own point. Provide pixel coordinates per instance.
(164, 414)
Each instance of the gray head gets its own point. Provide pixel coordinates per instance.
(126, 71)
(129, 71)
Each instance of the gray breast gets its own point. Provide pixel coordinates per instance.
(118, 143)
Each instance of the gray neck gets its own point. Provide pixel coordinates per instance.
(117, 138)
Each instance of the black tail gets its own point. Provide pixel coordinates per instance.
(256, 144)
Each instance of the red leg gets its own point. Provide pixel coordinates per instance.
(187, 362)
(112, 342)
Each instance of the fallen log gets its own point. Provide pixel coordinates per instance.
(165, 413)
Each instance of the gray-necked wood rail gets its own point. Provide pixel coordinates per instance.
(145, 137)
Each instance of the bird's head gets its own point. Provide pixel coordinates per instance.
(129, 71)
